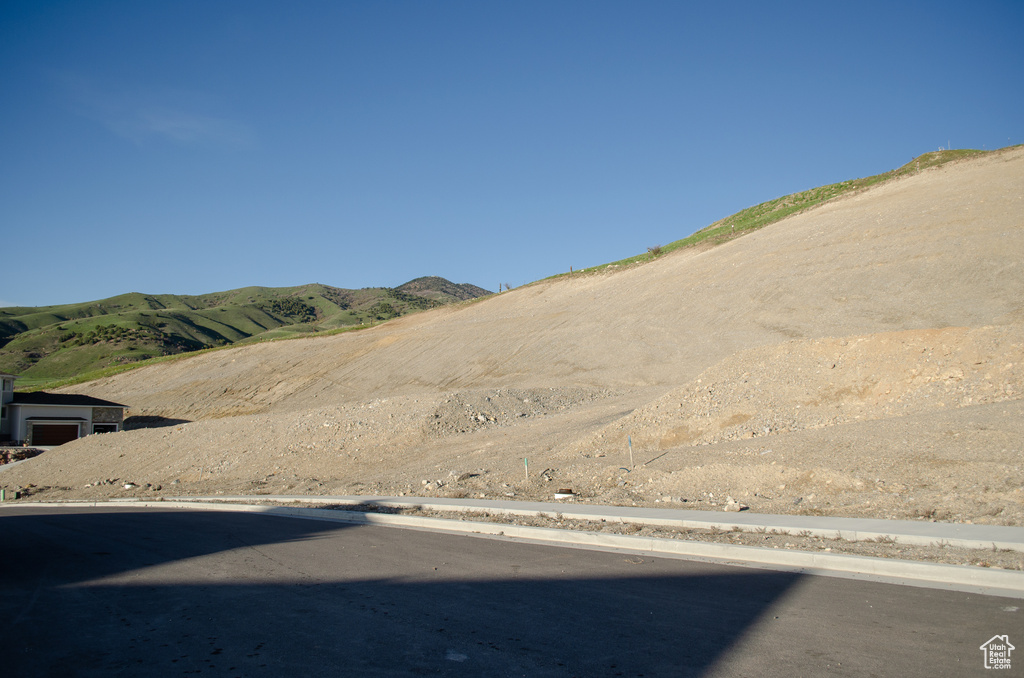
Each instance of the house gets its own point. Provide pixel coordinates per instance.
(53, 418)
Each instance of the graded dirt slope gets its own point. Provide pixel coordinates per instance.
(862, 358)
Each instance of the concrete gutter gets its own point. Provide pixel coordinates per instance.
(986, 581)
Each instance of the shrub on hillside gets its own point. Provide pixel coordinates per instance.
(290, 308)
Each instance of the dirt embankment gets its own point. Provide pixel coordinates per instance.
(816, 383)
(864, 358)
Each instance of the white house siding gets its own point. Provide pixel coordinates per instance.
(6, 387)
(19, 414)
(6, 395)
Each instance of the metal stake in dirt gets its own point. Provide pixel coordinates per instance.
(630, 439)
(526, 465)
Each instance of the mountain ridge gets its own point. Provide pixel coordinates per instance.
(67, 340)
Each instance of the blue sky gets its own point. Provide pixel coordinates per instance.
(188, 147)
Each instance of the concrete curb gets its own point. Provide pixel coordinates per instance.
(932, 575)
(851, 529)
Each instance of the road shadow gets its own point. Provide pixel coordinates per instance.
(133, 592)
(186, 593)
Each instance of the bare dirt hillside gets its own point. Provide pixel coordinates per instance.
(864, 358)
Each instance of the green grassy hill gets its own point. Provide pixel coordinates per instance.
(756, 217)
(44, 344)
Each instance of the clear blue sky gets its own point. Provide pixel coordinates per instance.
(198, 146)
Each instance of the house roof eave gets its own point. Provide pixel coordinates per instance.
(43, 399)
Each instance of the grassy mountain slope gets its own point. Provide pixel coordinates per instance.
(756, 217)
(56, 342)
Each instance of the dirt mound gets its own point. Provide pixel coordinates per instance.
(466, 412)
(862, 358)
(815, 383)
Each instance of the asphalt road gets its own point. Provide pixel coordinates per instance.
(135, 592)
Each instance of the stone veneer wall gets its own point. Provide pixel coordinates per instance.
(107, 415)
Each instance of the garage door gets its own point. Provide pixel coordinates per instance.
(53, 434)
